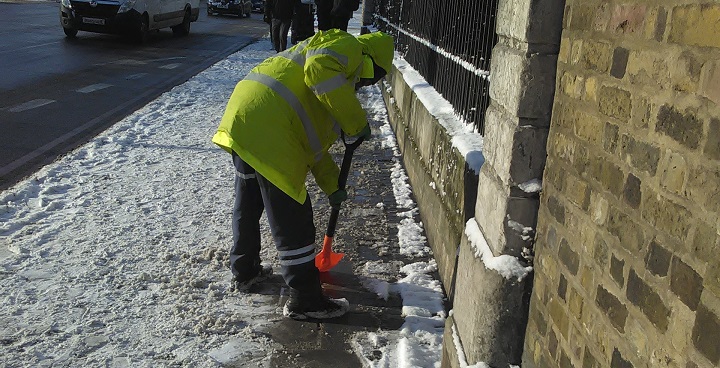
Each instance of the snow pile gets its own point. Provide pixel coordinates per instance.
(506, 265)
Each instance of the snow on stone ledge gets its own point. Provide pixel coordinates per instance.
(506, 265)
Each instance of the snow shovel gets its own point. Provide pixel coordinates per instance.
(327, 259)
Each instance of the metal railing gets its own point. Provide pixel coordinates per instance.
(449, 43)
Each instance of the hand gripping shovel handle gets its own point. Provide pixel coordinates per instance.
(327, 259)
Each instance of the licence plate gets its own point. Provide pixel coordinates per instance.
(223, 6)
(97, 21)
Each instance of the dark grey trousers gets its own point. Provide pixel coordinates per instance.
(291, 225)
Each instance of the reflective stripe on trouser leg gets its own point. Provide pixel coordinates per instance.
(293, 230)
(247, 209)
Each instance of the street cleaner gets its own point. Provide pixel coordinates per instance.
(278, 125)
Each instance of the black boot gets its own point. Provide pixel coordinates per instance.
(317, 306)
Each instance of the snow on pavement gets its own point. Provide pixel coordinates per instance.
(115, 255)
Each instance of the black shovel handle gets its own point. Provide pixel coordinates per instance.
(342, 180)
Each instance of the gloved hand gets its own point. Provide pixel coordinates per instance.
(267, 19)
(338, 197)
(365, 133)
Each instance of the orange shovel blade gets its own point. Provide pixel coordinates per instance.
(327, 259)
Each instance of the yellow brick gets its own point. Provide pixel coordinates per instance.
(591, 87)
(696, 25)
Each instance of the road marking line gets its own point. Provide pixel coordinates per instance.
(30, 105)
(93, 87)
(170, 66)
(136, 76)
(129, 62)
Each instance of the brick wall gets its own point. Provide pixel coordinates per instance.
(628, 246)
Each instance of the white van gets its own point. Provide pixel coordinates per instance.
(131, 17)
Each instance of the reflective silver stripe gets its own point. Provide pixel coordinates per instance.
(293, 262)
(330, 85)
(291, 99)
(297, 57)
(294, 252)
(341, 58)
(295, 54)
(245, 176)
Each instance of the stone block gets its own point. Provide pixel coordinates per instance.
(588, 127)
(667, 216)
(600, 253)
(629, 233)
(650, 303)
(530, 21)
(706, 334)
(673, 171)
(710, 85)
(655, 27)
(641, 113)
(619, 62)
(712, 146)
(618, 361)
(695, 24)
(582, 17)
(632, 192)
(528, 82)
(640, 155)
(627, 19)
(617, 270)
(577, 191)
(598, 208)
(572, 85)
(559, 317)
(658, 259)
(615, 310)
(683, 127)
(596, 56)
(569, 257)
(704, 187)
(575, 303)
(556, 209)
(562, 287)
(705, 242)
(686, 283)
(495, 336)
(615, 102)
(607, 174)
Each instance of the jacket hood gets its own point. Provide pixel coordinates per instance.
(380, 47)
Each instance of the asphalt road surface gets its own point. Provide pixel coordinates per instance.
(57, 93)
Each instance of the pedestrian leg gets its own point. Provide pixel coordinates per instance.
(248, 207)
(293, 230)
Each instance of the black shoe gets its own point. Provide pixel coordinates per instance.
(298, 307)
(263, 273)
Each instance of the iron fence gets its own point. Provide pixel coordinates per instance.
(449, 42)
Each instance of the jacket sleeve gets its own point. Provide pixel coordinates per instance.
(334, 85)
(326, 174)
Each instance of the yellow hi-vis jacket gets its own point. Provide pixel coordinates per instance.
(283, 117)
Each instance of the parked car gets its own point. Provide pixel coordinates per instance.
(132, 17)
(241, 8)
(258, 6)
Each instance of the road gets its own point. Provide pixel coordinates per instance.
(57, 93)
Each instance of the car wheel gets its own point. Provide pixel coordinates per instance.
(143, 30)
(183, 29)
(70, 32)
